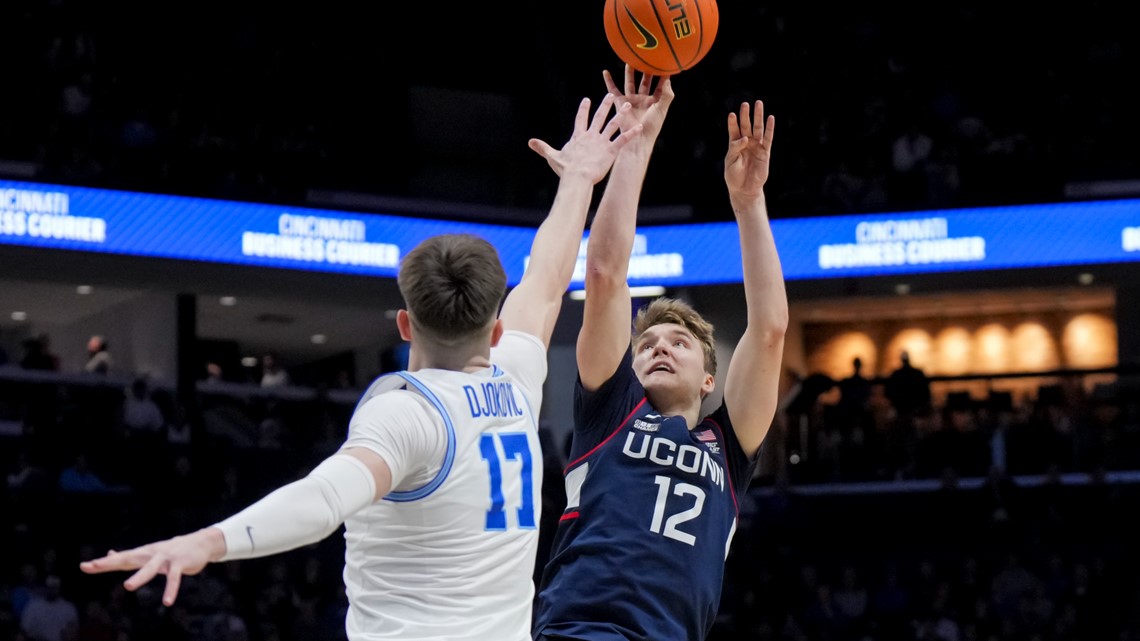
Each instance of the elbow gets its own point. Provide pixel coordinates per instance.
(602, 280)
(771, 329)
(775, 334)
(772, 321)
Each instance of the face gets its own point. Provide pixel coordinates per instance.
(670, 363)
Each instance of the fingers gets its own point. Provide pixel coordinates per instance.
(758, 119)
(736, 149)
(603, 111)
(629, 79)
(762, 127)
(614, 123)
(611, 86)
(540, 147)
(733, 128)
(646, 84)
(145, 573)
(583, 114)
(112, 562)
(173, 581)
(745, 119)
(751, 123)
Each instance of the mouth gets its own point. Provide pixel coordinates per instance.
(661, 367)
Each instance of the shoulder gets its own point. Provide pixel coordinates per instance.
(515, 341)
(392, 402)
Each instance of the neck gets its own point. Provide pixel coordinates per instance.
(689, 408)
(458, 359)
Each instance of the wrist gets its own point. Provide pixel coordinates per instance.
(214, 540)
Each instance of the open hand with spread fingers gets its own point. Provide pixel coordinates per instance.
(184, 555)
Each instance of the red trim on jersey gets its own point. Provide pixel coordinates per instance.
(568, 516)
(607, 439)
(727, 464)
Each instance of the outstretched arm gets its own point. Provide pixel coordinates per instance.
(604, 336)
(533, 305)
(302, 512)
(752, 385)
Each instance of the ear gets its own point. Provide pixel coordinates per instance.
(708, 385)
(404, 324)
(496, 332)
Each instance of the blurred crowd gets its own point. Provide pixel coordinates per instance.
(1032, 546)
(891, 428)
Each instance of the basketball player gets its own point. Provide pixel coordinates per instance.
(653, 483)
(438, 481)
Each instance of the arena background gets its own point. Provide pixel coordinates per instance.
(998, 511)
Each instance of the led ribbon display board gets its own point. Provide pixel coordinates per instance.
(137, 224)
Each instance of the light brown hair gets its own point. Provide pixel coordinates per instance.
(453, 285)
(671, 310)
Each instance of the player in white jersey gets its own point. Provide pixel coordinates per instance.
(438, 483)
(468, 520)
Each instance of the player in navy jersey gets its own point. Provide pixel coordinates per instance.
(653, 484)
(437, 483)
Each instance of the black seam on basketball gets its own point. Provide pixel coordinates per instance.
(700, 34)
(668, 41)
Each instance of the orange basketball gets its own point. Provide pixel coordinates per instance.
(661, 37)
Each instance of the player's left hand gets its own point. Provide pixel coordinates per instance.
(749, 151)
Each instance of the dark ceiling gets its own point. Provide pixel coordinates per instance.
(271, 102)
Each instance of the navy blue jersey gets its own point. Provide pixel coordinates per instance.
(651, 510)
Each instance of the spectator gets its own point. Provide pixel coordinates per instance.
(214, 374)
(27, 590)
(78, 478)
(141, 416)
(908, 388)
(99, 359)
(855, 390)
(855, 405)
(272, 374)
(179, 430)
(50, 617)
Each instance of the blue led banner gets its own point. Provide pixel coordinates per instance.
(73, 218)
(228, 232)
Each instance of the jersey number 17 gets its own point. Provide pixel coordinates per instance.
(515, 446)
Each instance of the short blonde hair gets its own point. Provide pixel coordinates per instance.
(670, 310)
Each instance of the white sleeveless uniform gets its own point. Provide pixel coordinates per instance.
(450, 552)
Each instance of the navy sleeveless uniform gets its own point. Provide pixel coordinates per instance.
(651, 510)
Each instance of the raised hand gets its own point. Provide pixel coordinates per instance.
(180, 556)
(592, 147)
(749, 151)
(648, 105)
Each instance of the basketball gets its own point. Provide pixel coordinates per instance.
(661, 37)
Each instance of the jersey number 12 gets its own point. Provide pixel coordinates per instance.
(671, 530)
(515, 445)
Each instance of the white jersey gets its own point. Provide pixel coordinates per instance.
(450, 552)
